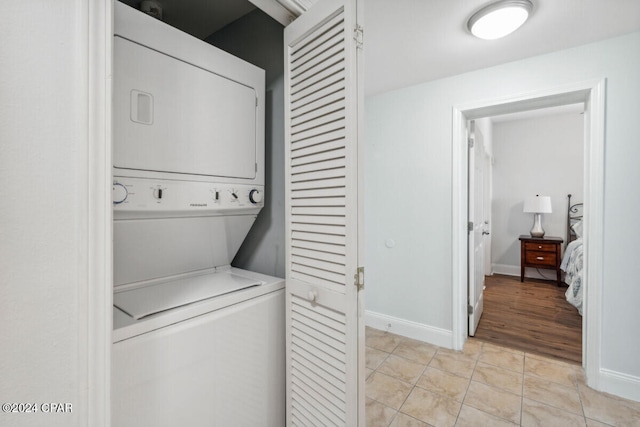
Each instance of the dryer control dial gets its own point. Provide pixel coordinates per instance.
(119, 193)
(157, 193)
(255, 196)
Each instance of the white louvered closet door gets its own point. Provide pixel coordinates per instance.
(325, 335)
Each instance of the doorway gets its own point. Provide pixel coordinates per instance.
(537, 151)
(591, 94)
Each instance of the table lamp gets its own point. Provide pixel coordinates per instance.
(537, 206)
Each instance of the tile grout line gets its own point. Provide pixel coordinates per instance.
(376, 371)
(573, 371)
(575, 379)
(475, 365)
(471, 380)
(575, 386)
(584, 414)
(413, 386)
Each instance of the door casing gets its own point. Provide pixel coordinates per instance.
(592, 95)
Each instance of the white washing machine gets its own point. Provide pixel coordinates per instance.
(195, 342)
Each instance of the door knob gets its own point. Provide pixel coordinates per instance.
(485, 233)
(312, 295)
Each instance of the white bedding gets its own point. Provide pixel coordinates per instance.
(572, 264)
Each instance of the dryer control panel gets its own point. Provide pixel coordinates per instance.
(141, 197)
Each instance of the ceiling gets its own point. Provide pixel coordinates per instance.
(413, 41)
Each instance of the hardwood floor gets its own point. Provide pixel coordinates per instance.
(531, 316)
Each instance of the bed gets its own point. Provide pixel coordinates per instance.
(572, 261)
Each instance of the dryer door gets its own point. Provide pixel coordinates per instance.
(171, 116)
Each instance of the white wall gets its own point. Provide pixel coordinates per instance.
(409, 183)
(542, 155)
(44, 215)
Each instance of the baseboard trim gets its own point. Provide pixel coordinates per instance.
(622, 385)
(409, 329)
(514, 270)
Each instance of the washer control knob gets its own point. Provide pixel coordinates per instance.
(255, 196)
(119, 193)
(157, 193)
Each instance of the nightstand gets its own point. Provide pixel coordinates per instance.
(540, 252)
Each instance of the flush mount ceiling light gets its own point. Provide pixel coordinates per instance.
(499, 19)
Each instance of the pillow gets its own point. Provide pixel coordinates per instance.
(577, 228)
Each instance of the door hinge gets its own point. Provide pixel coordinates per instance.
(470, 226)
(358, 36)
(359, 278)
(469, 309)
(256, 101)
(471, 142)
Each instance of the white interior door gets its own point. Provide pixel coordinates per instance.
(487, 173)
(325, 335)
(477, 227)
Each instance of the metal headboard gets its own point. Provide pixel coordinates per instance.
(574, 214)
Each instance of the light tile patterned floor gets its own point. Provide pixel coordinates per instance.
(414, 384)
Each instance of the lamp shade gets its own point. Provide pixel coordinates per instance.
(537, 204)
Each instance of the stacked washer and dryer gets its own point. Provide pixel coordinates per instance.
(196, 341)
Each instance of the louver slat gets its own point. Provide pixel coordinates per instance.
(318, 174)
(298, 419)
(332, 269)
(325, 111)
(330, 318)
(316, 237)
(328, 410)
(307, 355)
(321, 61)
(325, 383)
(322, 34)
(320, 129)
(317, 157)
(337, 338)
(308, 408)
(318, 183)
(325, 138)
(315, 380)
(331, 281)
(331, 164)
(318, 228)
(320, 341)
(317, 219)
(320, 247)
(327, 82)
(326, 261)
(323, 392)
(318, 193)
(319, 275)
(336, 96)
(331, 286)
(326, 269)
(310, 331)
(312, 120)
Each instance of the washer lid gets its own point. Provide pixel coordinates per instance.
(152, 299)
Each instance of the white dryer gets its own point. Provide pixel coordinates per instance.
(196, 341)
